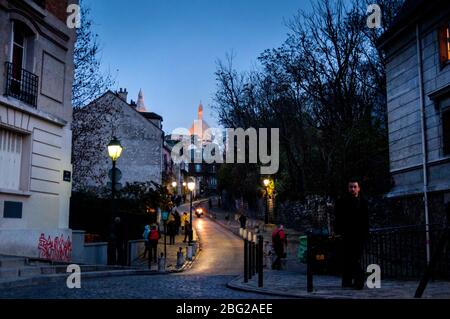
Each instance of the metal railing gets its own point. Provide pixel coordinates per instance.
(21, 84)
(401, 251)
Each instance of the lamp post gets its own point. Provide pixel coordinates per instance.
(191, 187)
(266, 213)
(174, 185)
(165, 217)
(114, 152)
(183, 192)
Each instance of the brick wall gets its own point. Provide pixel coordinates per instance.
(58, 8)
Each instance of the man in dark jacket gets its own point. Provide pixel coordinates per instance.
(352, 224)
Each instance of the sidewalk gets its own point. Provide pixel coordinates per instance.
(291, 262)
(291, 281)
(293, 285)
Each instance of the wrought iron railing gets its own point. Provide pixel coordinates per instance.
(401, 251)
(21, 84)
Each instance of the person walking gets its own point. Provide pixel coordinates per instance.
(184, 219)
(145, 235)
(352, 225)
(187, 231)
(177, 222)
(278, 242)
(171, 231)
(153, 238)
(243, 221)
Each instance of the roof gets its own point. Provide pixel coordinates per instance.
(151, 116)
(409, 14)
(147, 115)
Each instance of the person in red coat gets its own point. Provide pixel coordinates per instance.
(279, 242)
(153, 238)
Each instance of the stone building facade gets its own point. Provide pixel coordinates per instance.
(36, 74)
(139, 132)
(418, 95)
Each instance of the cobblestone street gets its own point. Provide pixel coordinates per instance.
(219, 262)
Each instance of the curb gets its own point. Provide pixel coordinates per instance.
(237, 285)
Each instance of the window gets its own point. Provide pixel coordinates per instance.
(21, 83)
(10, 159)
(446, 131)
(18, 55)
(444, 44)
(198, 168)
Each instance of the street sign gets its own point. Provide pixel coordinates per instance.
(67, 176)
(118, 174)
(165, 216)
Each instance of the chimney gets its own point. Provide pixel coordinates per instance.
(123, 94)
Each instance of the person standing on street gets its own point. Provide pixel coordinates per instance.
(146, 242)
(279, 242)
(352, 225)
(153, 238)
(243, 221)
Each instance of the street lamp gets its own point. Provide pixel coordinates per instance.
(191, 187)
(266, 183)
(174, 186)
(114, 152)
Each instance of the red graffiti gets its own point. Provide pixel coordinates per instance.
(58, 249)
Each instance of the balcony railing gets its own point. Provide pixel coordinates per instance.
(21, 84)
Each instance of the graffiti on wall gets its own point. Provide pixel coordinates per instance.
(57, 248)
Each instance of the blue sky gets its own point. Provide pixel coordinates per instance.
(169, 48)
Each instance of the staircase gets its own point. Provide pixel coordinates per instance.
(16, 268)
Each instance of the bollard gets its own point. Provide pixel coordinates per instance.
(194, 248)
(189, 253)
(250, 261)
(257, 257)
(309, 263)
(162, 263)
(254, 258)
(260, 261)
(245, 260)
(180, 258)
(255, 241)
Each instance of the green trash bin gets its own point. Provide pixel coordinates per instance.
(301, 252)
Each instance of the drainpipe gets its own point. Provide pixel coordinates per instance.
(424, 142)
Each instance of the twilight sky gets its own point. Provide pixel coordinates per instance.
(169, 48)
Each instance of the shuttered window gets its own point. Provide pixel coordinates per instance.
(10, 159)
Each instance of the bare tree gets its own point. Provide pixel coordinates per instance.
(89, 81)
